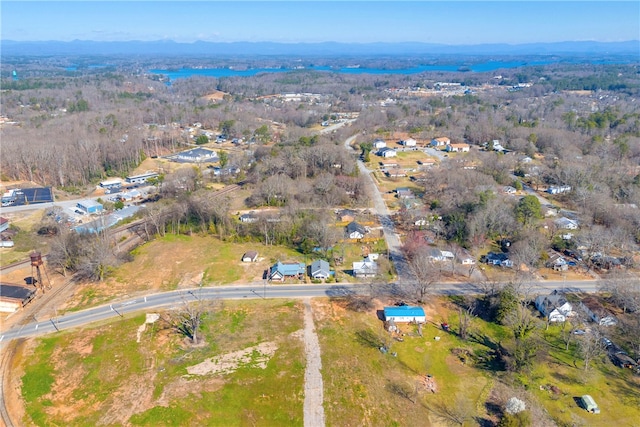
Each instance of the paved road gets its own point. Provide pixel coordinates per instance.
(65, 204)
(394, 243)
(180, 297)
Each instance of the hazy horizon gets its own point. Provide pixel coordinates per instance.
(357, 22)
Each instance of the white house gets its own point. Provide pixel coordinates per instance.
(458, 148)
(250, 256)
(465, 258)
(378, 144)
(440, 142)
(554, 307)
(248, 217)
(404, 314)
(387, 152)
(596, 312)
(410, 142)
(559, 189)
(365, 269)
(496, 146)
(353, 230)
(566, 223)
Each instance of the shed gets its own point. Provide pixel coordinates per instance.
(250, 256)
(12, 297)
(89, 206)
(4, 224)
(589, 404)
(405, 313)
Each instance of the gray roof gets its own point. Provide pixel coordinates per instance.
(354, 226)
(320, 266)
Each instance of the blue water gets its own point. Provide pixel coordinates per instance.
(226, 72)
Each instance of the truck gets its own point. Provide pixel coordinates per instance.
(9, 198)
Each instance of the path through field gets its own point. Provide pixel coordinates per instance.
(313, 397)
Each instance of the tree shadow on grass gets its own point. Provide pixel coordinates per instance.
(368, 338)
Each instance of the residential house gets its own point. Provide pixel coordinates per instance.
(465, 258)
(378, 144)
(557, 262)
(353, 230)
(498, 259)
(404, 193)
(438, 255)
(389, 164)
(281, 271)
(409, 143)
(458, 148)
(396, 173)
(320, 269)
(496, 146)
(559, 189)
(4, 224)
(509, 190)
(596, 312)
(440, 141)
(248, 217)
(365, 269)
(427, 163)
(566, 223)
(250, 256)
(554, 307)
(387, 152)
(405, 314)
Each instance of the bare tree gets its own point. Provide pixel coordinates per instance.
(427, 273)
(590, 347)
(187, 320)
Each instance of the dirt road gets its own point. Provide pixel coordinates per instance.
(313, 389)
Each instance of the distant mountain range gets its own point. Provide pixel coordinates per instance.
(79, 47)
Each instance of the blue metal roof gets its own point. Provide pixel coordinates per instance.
(289, 269)
(404, 310)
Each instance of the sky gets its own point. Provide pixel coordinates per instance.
(445, 22)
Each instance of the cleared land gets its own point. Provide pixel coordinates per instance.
(252, 352)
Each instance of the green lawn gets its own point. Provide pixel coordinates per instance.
(102, 376)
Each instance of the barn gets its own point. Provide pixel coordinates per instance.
(404, 314)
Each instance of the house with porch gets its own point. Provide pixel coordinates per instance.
(363, 269)
(281, 271)
(320, 269)
(554, 307)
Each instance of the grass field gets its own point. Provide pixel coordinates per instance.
(179, 261)
(363, 386)
(102, 376)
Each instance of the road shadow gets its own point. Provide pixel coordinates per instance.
(339, 291)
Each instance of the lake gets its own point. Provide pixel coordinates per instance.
(181, 73)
